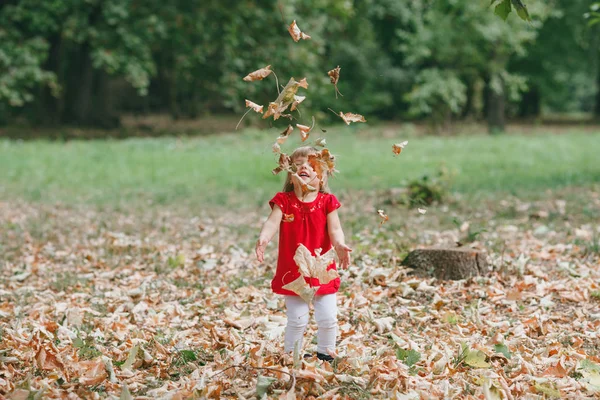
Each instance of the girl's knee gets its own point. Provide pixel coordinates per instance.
(298, 322)
(328, 321)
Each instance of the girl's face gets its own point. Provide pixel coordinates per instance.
(306, 172)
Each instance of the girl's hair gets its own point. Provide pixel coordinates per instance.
(305, 151)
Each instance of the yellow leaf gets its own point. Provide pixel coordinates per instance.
(476, 358)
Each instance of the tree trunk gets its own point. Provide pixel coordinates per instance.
(447, 264)
(495, 110)
(597, 103)
(530, 105)
(49, 107)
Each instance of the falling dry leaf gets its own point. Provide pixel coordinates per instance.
(321, 142)
(302, 289)
(284, 164)
(306, 188)
(276, 148)
(383, 215)
(259, 74)
(296, 102)
(305, 130)
(254, 106)
(421, 210)
(397, 148)
(349, 117)
(296, 33)
(329, 160)
(285, 134)
(334, 76)
(285, 98)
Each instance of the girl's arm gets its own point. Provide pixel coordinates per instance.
(336, 235)
(268, 230)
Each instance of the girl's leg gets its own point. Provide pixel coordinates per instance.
(326, 317)
(297, 319)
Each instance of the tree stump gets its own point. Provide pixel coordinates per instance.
(447, 264)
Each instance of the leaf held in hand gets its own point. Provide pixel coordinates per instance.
(259, 74)
(316, 266)
(296, 33)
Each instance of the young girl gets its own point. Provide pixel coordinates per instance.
(310, 219)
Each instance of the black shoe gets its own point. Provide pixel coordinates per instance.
(324, 357)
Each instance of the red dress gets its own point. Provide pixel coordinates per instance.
(302, 223)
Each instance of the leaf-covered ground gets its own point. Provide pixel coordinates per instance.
(171, 303)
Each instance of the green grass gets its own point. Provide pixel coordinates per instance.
(236, 168)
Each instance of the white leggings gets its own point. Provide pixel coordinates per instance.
(297, 311)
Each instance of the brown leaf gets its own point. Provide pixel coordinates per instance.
(334, 76)
(285, 134)
(276, 148)
(284, 164)
(397, 148)
(259, 74)
(254, 106)
(329, 160)
(302, 289)
(316, 266)
(350, 117)
(306, 188)
(303, 83)
(296, 102)
(383, 215)
(296, 33)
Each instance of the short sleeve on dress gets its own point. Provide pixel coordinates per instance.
(280, 199)
(331, 204)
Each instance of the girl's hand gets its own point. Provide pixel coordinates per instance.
(261, 245)
(343, 253)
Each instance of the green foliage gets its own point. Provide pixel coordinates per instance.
(408, 357)
(593, 16)
(504, 7)
(148, 171)
(77, 61)
(503, 349)
(428, 189)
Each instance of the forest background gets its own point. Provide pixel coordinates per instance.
(92, 63)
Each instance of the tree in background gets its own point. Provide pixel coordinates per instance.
(79, 46)
(87, 62)
(459, 49)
